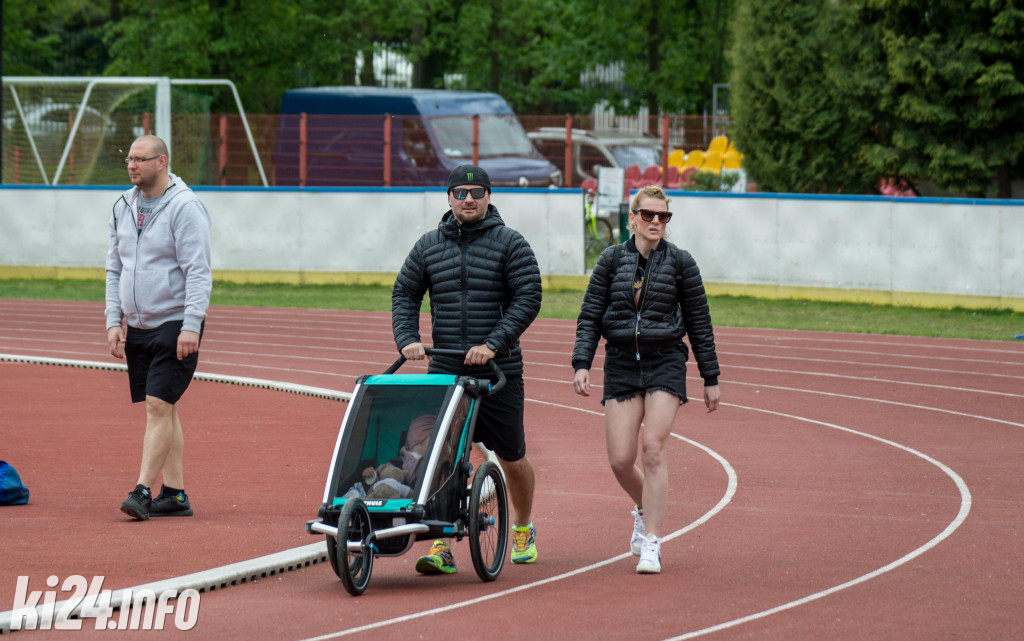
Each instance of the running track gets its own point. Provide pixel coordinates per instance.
(850, 487)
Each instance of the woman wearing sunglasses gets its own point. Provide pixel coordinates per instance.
(644, 296)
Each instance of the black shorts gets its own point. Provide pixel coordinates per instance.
(661, 367)
(499, 423)
(153, 365)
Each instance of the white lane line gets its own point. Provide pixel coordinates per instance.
(692, 378)
(868, 379)
(726, 498)
(965, 508)
(832, 361)
(878, 400)
(824, 336)
(961, 516)
(722, 502)
(889, 354)
(36, 310)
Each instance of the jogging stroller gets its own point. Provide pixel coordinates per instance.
(401, 473)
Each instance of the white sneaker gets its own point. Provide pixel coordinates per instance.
(637, 541)
(650, 556)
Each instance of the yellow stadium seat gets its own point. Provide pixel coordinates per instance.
(694, 159)
(732, 159)
(719, 144)
(712, 162)
(676, 158)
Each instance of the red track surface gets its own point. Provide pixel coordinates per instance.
(851, 487)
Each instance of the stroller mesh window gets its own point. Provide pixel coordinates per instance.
(378, 439)
(454, 444)
(446, 490)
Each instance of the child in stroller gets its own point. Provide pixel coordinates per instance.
(394, 479)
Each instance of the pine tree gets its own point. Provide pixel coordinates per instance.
(952, 97)
(791, 122)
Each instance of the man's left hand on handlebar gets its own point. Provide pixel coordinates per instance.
(479, 355)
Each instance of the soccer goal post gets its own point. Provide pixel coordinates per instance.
(66, 123)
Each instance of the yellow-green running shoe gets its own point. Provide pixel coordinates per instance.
(439, 560)
(524, 549)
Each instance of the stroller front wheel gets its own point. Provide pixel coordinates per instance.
(332, 554)
(354, 565)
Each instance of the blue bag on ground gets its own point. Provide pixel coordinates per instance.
(12, 490)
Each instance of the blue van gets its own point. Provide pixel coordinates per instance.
(428, 132)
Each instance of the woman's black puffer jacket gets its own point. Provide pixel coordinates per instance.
(674, 305)
(484, 285)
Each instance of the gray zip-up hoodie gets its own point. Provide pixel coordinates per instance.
(163, 273)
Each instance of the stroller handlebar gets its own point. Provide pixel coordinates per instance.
(484, 386)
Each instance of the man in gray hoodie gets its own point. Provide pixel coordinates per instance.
(158, 291)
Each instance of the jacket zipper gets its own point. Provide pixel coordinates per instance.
(138, 252)
(138, 242)
(135, 277)
(465, 303)
(643, 297)
(135, 272)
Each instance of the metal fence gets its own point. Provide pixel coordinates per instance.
(212, 149)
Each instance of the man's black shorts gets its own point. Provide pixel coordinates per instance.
(499, 423)
(153, 365)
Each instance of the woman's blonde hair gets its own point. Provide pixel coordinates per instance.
(649, 191)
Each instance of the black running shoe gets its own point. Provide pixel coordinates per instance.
(170, 504)
(138, 502)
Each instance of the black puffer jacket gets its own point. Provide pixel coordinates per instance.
(673, 305)
(484, 285)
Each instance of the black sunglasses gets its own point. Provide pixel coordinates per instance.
(477, 192)
(649, 214)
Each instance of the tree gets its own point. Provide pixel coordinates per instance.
(671, 51)
(57, 37)
(790, 121)
(508, 47)
(265, 47)
(534, 52)
(834, 96)
(538, 54)
(952, 97)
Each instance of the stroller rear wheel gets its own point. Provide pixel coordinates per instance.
(354, 566)
(488, 521)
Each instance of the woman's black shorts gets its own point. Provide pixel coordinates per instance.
(153, 365)
(660, 367)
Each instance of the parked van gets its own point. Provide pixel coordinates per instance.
(429, 133)
(595, 149)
